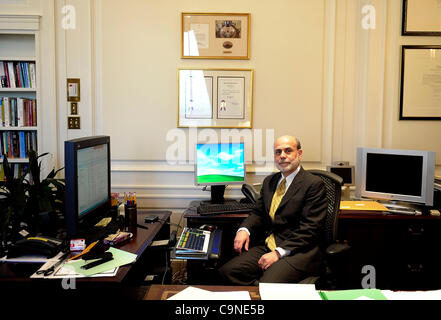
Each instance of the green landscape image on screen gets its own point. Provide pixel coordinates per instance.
(220, 163)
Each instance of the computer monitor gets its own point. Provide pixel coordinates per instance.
(218, 165)
(345, 171)
(400, 175)
(87, 173)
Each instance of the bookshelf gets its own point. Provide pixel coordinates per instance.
(20, 127)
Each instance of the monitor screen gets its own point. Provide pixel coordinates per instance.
(87, 173)
(402, 175)
(92, 177)
(220, 163)
(346, 172)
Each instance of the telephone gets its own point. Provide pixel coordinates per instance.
(42, 246)
(250, 193)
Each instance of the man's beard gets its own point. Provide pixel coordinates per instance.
(292, 165)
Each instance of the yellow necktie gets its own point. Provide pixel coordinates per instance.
(278, 195)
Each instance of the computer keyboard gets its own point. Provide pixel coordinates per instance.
(193, 240)
(228, 207)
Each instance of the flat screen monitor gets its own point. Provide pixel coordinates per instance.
(87, 170)
(400, 175)
(218, 165)
(346, 172)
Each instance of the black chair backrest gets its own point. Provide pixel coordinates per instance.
(333, 185)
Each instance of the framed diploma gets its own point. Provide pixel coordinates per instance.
(420, 95)
(215, 35)
(421, 18)
(215, 98)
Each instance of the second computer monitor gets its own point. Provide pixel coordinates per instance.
(218, 165)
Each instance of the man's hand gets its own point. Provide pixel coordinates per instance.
(242, 240)
(268, 259)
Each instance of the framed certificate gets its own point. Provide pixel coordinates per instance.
(420, 83)
(421, 18)
(215, 35)
(215, 98)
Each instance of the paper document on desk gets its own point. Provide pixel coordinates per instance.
(62, 272)
(412, 295)
(288, 291)
(362, 206)
(120, 258)
(192, 293)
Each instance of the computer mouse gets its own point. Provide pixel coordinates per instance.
(207, 227)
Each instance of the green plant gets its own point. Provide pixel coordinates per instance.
(44, 195)
(26, 201)
(13, 198)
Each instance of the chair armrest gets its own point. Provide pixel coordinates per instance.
(337, 249)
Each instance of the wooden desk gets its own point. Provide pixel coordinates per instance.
(205, 272)
(403, 249)
(163, 292)
(13, 273)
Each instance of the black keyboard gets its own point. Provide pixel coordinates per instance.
(229, 207)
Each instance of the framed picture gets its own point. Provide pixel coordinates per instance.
(421, 18)
(420, 95)
(215, 98)
(215, 35)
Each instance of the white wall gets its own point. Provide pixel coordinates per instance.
(318, 75)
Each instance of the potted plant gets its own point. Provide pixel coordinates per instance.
(13, 200)
(30, 202)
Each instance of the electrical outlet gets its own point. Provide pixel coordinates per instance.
(73, 122)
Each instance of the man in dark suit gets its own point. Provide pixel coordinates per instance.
(286, 228)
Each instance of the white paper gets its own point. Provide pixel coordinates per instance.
(231, 97)
(412, 295)
(288, 291)
(192, 293)
(201, 32)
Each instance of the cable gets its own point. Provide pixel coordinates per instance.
(166, 266)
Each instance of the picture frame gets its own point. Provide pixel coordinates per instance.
(420, 92)
(215, 35)
(215, 98)
(421, 18)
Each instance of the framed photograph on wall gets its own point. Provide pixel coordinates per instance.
(215, 98)
(421, 18)
(420, 95)
(215, 35)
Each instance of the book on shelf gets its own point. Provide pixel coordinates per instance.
(18, 168)
(17, 144)
(18, 112)
(17, 74)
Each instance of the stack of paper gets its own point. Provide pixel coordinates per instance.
(192, 293)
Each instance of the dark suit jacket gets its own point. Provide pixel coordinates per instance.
(298, 222)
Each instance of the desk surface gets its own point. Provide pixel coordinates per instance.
(163, 292)
(12, 272)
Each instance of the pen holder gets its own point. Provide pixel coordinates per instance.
(113, 212)
(130, 216)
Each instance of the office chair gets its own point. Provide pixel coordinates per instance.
(335, 253)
